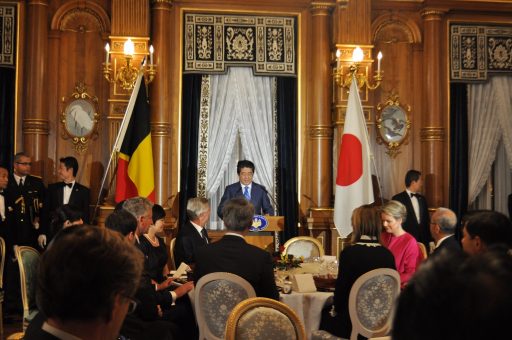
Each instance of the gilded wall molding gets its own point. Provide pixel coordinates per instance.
(321, 8)
(202, 153)
(161, 129)
(320, 132)
(64, 15)
(213, 42)
(395, 21)
(430, 134)
(164, 2)
(476, 50)
(35, 126)
(432, 14)
(8, 18)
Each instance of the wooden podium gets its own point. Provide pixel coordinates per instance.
(267, 239)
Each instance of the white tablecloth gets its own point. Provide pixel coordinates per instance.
(308, 307)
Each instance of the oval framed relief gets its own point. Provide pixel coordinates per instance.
(80, 118)
(393, 124)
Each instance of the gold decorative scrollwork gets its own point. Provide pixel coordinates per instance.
(321, 132)
(393, 124)
(79, 117)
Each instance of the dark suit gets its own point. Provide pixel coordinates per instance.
(25, 204)
(450, 244)
(187, 242)
(259, 198)
(80, 198)
(233, 255)
(420, 231)
(38, 334)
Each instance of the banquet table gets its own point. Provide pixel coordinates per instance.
(308, 307)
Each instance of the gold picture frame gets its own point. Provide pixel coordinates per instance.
(393, 124)
(80, 117)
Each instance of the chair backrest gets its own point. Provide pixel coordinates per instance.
(371, 302)
(2, 262)
(423, 250)
(216, 294)
(305, 246)
(262, 318)
(171, 250)
(28, 259)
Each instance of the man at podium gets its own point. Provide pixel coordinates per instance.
(255, 193)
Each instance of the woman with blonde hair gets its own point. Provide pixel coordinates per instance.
(402, 244)
(365, 254)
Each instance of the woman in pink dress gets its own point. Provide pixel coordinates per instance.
(402, 244)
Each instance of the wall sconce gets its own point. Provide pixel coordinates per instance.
(126, 75)
(344, 80)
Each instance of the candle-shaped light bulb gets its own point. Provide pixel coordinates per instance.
(379, 58)
(338, 61)
(151, 51)
(129, 47)
(107, 48)
(357, 55)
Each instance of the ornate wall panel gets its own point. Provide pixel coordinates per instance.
(479, 50)
(213, 42)
(7, 35)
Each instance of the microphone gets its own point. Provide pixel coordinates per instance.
(272, 200)
(315, 205)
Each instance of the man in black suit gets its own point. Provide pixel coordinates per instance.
(233, 254)
(193, 234)
(86, 283)
(418, 218)
(255, 193)
(442, 229)
(69, 191)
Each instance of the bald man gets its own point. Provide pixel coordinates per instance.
(442, 229)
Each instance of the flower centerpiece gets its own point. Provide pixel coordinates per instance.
(284, 261)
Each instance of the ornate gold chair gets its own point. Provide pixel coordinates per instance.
(215, 296)
(262, 318)
(423, 251)
(371, 302)
(305, 246)
(28, 259)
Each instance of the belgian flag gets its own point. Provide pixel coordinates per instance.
(135, 173)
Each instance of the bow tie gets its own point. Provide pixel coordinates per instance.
(69, 185)
(413, 195)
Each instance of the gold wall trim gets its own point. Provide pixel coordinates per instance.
(202, 154)
(36, 126)
(432, 14)
(321, 132)
(161, 129)
(213, 42)
(428, 134)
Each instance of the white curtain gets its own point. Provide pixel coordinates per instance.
(489, 118)
(240, 126)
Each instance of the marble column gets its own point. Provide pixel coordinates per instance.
(35, 127)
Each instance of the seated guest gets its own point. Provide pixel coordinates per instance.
(193, 234)
(402, 244)
(255, 193)
(485, 228)
(364, 255)
(233, 254)
(85, 285)
(154, 247)
(442, 229)
(175, 304)
(146, 321)
(456, 297)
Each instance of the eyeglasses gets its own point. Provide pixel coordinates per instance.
(24, 163)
